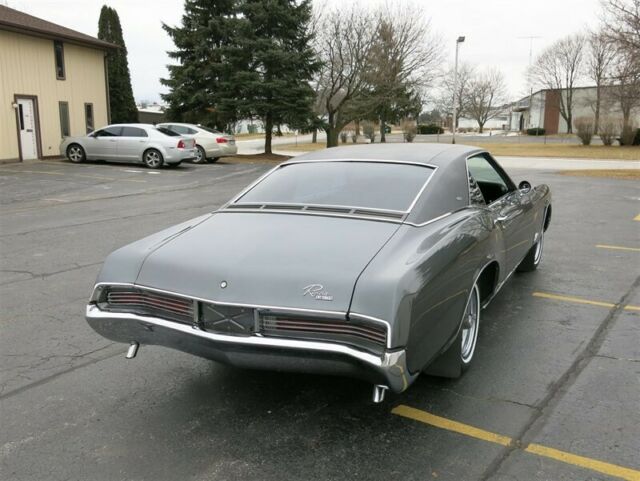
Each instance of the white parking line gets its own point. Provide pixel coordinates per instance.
(153, 172)
(131, 170)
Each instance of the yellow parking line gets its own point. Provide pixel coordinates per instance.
(618, 248)
(537, 449)
(637, 217)
(580, 300)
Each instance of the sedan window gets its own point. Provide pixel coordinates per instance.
(369, 185)
(167, 131)
(133, 132)
(109, 132)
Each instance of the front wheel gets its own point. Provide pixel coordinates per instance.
(76, 154)
(152, 158)
(534, 256)
(201, 155)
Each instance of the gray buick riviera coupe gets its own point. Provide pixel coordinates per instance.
(367, 261)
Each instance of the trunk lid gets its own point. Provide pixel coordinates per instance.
(268, 259)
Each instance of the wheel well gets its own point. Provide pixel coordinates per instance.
(488, 280)
(547, 217)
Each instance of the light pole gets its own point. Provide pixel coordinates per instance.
(455, 91)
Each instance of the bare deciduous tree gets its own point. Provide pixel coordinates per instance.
(625, 85)
(344, 40)
(466, 73)
(601, 54)
(622, 24)
(559, 67)
(486, 96)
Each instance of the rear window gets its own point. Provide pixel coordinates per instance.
(369, 185)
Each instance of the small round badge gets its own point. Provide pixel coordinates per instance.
(223, 284)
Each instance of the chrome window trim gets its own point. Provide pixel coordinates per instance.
(466, 163)
(97, 289)
(310, 161)
(328, 206)
(435, 219)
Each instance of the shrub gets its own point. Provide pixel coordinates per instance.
(584, 129)
(409, 130)
(343, 137)
(369, 130)
(536, 131)
(608, 129)
(630, 135)
(430, 129)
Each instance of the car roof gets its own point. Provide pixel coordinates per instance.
(130, 125)
(438, 155)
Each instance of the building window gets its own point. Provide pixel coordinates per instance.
(58, 49)
(64, 119)
(88, 117)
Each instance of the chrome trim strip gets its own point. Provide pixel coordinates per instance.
(304, 212)
(280, 309)
(347, 159)
(435, 219)
(329, 206)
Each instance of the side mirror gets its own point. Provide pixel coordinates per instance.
(524, 186)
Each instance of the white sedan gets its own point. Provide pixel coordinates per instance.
(210, 144)
(152, 146)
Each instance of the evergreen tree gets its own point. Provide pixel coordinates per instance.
(201, 90)
(274, 38)
(121, 102)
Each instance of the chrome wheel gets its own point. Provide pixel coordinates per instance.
(200, 155)
(470, 326)
(537, 256)
(75, 153)
(152, 159)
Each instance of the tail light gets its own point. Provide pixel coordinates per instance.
(222, 140)
(181, 144)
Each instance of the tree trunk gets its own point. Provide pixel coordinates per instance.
(268, 132)
(596, 120)
(357, 122)
(569, 124)
(383, 138)
(314, 136)
(332, 136)
(480, 127)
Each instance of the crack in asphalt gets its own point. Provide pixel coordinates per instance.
(44, 275)
(56, 375)
(558, 389)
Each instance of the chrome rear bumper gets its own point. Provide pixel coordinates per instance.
(254, 351)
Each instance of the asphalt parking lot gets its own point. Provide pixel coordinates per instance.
(554, 392)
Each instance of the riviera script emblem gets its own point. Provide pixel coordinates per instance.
(317, 292)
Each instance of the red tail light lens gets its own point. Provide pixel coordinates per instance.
(181, 144)
(221, 140)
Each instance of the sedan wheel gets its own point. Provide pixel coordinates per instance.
(75, 153)
(470, 327)
(534, 256)
(152, 159)
(201, 156)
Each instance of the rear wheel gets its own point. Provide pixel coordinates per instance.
(201, 155)
(152, 158)
(76, 154)
(453, 362)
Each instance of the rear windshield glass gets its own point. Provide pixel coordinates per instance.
(369, 185)
(213, 131)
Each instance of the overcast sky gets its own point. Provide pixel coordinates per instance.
(493, 30)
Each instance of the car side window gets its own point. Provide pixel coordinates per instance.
(475, 194)
(133, 132)
(178, 129)
(490, 181)
(190, 131)
(109, 132)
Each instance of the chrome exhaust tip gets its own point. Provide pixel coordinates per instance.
(133, 350)
(378, 393)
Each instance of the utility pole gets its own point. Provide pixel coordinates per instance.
(455, 91)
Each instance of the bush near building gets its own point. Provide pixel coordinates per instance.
(430, 129)
(536, 131)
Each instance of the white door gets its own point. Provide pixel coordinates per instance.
(27, 120)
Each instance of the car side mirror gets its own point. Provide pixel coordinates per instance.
(524, 186)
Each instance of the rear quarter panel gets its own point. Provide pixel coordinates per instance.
(420, 281)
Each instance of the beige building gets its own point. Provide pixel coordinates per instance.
(52, 84)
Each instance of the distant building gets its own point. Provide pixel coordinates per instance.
(542, 109)
(52, 84)
(152, 113)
